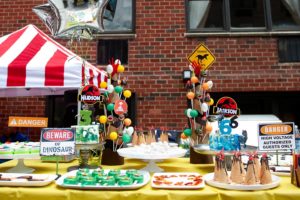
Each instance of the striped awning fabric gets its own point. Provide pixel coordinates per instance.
(31, 60)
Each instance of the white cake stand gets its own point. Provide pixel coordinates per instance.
(20, 167)
(151, 157)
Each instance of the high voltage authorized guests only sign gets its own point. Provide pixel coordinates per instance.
(276, 137)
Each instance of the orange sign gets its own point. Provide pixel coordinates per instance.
(276, 129)
(202, 56)
(34, 122)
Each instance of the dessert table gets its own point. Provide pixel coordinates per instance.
(284, 191)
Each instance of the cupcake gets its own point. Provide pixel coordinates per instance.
(70, 180)
(125, 181)
(108, 180)
(138, 178)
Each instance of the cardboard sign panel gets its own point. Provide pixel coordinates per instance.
(276, 136)
(57, 142)
(29, 122)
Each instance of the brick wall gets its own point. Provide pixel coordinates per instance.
(157, 57)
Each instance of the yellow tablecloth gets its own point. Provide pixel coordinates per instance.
(285, 191)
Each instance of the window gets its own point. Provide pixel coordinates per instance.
(289, 49)
(242, 15)
(107, 49)
(119, 16)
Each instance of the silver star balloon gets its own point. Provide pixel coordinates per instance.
(66, 17)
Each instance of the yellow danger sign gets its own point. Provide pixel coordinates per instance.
(202, 56)
(29, 122)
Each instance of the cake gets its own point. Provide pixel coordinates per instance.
(237, 170)
(256, 166)
(14, 148)
(220, 172)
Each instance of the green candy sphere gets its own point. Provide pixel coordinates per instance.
(110, 107)
(187, 132)
(194, 113)
(118, 89)
(126, 138)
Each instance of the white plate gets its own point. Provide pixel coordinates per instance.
(146, 175)
(209, 180)
(135, 152)
(173, 178)
(46, 179)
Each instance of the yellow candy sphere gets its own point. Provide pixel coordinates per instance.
(121, 69)
(127, 93)
(127, 122)
(103, 85)
(194, 79)
(190, 95)
(102, 119)
(113, 135)
(211, 102)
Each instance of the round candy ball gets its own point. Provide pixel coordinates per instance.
(127, 122)
(187, 112)
(102, 119)
(190, 95)
(210, 84)
(127, 93)
(109, 69)
(211, 102)
(103, 84)
(183, 136)
(110, 88)
(118, 89)
(205, 86)
(113, 135)
(129, 130)
(126, 138)
(204, 107)
(187, 132)
(110, 107)
(118, 61)
(121, 69)
(194, 113)
(208, 127)
(194, 79)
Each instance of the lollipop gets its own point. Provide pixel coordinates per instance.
(121, 69)
(127, 122)
(190, 95)
(103, 85)
(109, 69)
(126, 138)
(194, 79)
(187, 132)
(118, 89)
(102, 119)
(127, 93)
(205, 86)
(113, 135)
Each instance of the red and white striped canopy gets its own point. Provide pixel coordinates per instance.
(31, 63)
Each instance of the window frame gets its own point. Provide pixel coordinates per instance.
(268, 30)
(121, 33)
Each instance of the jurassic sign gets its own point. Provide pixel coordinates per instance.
(90, 94)
(226, 106)
(279, 136)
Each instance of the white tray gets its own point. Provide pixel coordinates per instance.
(133, 152)
(172, 180)
(98, 186)
(231, 186)
(46, 179)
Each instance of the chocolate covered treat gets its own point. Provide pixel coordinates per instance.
(265, 174)
(237, 170)
(220, 172)
(250, 178)
(256, 166)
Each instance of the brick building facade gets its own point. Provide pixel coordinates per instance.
(157, 55)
